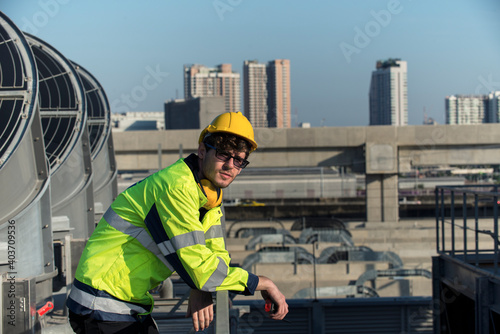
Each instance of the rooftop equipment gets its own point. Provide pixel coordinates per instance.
(101, 141)
(62, 109)
(26, 257)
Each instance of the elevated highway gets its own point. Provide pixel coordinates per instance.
(381, 152)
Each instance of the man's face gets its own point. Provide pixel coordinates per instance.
(220, 173)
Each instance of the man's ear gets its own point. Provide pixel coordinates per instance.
(202, 150)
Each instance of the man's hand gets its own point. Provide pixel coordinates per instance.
(271, 293)
(201, 308)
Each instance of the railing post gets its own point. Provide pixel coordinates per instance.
(222, 312)
(452, 214)
(436, 199)
(495, 235)
(476, 227)
(442, 221)
(464, 214)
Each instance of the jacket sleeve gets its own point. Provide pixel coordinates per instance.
(215, 241)
(181, 238)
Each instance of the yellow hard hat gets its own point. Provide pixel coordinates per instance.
(234, 123)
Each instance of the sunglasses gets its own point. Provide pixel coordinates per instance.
(225, 156)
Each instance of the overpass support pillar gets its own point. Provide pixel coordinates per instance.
(381, 182)
(382, 198)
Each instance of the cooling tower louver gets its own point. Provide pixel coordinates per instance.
(101, 141)
(63, 115)
(23, 169)
(18, 87)
(98, 114)
(61, 101)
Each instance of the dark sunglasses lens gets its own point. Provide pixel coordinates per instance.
(223, 156)
(241, 163)
(238, 162)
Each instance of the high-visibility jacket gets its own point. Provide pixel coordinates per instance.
(152, 229)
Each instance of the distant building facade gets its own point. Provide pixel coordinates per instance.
(267, 98)
(389, 93)
(493, 109)
(137, 121)
(192, 114)
(279, 93)
(202, 81)
(465, 109)
(255, 93)
(472, 109)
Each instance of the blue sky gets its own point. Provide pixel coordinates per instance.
(137, 49)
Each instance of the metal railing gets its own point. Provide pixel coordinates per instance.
(222, 319)
(467, 224)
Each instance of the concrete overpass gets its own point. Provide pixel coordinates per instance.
(379, 151)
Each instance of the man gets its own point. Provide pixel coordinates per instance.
(168, 222)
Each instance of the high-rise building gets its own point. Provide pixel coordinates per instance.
(493, 113)
(278, 74)
(201, 81)
(267, 93)
(466, 109)
(255, 93)
(389, 93)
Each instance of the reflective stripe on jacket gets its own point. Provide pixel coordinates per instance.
(153, 229)
(84, 299)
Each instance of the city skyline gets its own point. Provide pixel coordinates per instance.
(136, 50)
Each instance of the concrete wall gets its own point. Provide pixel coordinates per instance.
(333, 146)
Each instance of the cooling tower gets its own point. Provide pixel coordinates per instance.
(63, 115)
(101, 142)
(26, 256)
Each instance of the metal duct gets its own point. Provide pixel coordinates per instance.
(359, 254)
(329, 223)
(62, 109)
(371, 275)
(280, 237)
(100, 139)
(335, 291)
(297, 255)
(239, 227)
(25, 219)
(312, 235)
